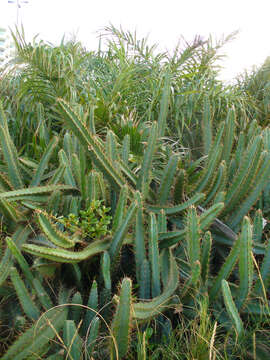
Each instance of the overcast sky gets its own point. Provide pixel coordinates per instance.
(164, 21)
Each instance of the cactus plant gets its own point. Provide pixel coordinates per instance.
(132, 224)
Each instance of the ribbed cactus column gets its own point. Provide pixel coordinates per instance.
(121, 322)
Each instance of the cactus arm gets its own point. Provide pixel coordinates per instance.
(140, 252)
(262, 179)
(24, 297)
(212, 163)
(91, 187)
(144, 177)
(76, 308)
(205, 255)
(145, 280)
(245, 170)
(77, 172)
(231, 308)
(56, 236)
(170, 238)
(193, 235)
(111, 147)
(92, 305)
(58, 175)
(118, 238)
(10, 212)
(121, 322)
(165, 265)
(89, 141)
(258, 226)
(105, 270)
(126, 149)
(218, 184)
(167, 180)
(64, 161)
(19, 237)
(179, 187)
(248, 184)
(154, 256)
(225, 270)
(245, 263)
(229, 135)
(36, 190)
(120, 209)
(209, 216)
(65, 256)
(178, 208)
(44, 162)
(239, 149)
(162, 221)
(40, 291)
(147, 310)
(193, 242)
(130, 175)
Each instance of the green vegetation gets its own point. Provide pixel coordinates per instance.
(134, 187)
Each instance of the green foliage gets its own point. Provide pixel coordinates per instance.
(126, 164)
(91, 223)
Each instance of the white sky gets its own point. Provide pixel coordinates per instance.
(164, 20)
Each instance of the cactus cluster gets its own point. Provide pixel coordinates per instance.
(101, 241)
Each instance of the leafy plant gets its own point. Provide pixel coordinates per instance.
(91, 223)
